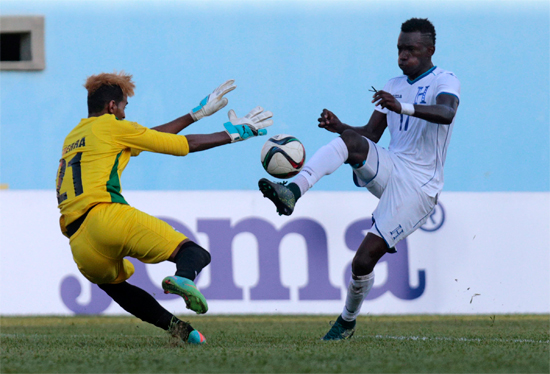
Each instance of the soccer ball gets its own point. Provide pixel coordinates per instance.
(283, 156)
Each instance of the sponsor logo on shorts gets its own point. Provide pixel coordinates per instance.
(395, 233)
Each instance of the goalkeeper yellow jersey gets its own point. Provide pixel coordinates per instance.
(94, 156)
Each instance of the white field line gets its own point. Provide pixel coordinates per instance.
(426, 338)
(386, 337)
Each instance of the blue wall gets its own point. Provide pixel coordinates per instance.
(293, 58)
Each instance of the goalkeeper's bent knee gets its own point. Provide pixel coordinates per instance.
(191, 259)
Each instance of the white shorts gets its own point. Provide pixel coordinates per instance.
(403, 205)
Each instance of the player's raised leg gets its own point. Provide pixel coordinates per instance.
(190, 259)
(350, 148)
(370, 251)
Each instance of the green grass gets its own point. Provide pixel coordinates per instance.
(278, 344)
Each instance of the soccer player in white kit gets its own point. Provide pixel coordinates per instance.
(418, 108)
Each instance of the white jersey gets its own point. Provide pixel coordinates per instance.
(422, 145)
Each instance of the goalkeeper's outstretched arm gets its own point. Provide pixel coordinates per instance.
(208, 106)
(202, 142)
(237, 129)
(175, 126)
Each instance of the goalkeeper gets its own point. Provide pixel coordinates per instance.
(103, 228)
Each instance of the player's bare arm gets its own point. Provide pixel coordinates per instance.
(208, 106)
(442, 112)
(373, 130)
(175, 126)
(375, 127)
(202, 142)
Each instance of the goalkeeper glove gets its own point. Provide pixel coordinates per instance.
(213, 102)
(253, 124)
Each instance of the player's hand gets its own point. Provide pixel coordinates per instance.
(386, 100)
(213, 102)
(253, 124)
(330, 122)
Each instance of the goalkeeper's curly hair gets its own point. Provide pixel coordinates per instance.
(104, 87)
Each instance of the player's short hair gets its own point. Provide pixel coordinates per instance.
(104, 87)
(420, 24)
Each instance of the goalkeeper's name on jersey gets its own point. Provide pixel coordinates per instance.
(79, 143)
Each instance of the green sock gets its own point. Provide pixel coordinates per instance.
(293, 187)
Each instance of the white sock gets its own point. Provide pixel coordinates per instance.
(358, 289)
(324, 162)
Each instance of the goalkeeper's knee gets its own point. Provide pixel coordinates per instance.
(191, 259)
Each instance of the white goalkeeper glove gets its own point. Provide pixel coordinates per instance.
(213, 102)
(253, 124)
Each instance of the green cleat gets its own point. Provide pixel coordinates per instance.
(340, 330)
(185, 332)
(186, 288)
(279, 194)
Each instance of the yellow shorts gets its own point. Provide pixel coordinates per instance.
(113, 231)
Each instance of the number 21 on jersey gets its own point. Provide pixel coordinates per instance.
(74, 164)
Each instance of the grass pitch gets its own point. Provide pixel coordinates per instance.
(278, 344)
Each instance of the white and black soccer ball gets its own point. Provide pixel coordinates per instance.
(283, 156)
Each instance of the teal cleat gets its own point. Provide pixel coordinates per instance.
(195, 337)
(185, 332)
(186, 288)
(279, 194)
(340, 330)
